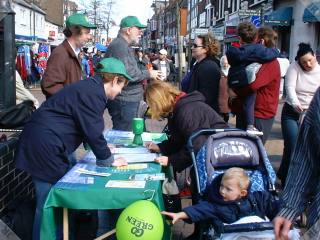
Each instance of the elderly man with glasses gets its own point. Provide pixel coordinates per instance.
(125, 107)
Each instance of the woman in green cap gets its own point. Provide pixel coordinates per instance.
(62, 123)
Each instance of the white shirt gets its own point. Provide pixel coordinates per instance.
(301, 85)
(75, 50)
(163, 68)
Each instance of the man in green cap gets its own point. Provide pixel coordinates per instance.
(125, 107)
(63, 66)
(62, 123)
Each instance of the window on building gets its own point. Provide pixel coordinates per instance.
(23, 12)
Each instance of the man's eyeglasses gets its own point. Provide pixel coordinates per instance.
(196, 46)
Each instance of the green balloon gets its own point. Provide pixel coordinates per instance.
(141, 220)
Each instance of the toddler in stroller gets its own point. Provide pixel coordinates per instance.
(229, 194)
(228, 200)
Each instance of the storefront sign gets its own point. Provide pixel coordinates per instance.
(218, 32)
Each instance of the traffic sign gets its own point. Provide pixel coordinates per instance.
(256, 20)
(248, 12)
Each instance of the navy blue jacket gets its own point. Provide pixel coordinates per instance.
(205, 78)
(59, 126)
(239, 58)
(219, 211)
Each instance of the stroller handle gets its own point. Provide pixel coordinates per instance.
(247, 227)
(208, 131)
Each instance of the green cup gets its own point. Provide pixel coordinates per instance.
(137, 129)
(137, 125)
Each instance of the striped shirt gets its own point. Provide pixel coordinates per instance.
(304, 171)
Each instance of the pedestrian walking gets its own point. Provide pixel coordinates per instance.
(125, 106)
(302, 81)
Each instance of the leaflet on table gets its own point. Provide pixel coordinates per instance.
(94, 173)
(126, 150)
(147, 177)
(136, 166)
(74, 176)
(126, 137)
(125, 184)
(137, 158)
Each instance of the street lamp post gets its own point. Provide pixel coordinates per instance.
(7, 55)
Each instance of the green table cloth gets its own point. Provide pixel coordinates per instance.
(79, 191)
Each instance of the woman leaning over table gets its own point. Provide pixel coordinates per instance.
(302, 81)
(186, 113)
(62, 123)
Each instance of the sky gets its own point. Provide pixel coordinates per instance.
(122, 8)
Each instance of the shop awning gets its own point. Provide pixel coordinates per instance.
(279, 17)
(312, 13)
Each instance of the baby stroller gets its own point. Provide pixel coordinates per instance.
(227, 148)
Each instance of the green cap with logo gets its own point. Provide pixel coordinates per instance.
(131, 21)
(79, 19)
(113, 65)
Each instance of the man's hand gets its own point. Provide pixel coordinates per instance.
(111, 147)
(281, 228)
(155, 74)
(163, 160)
(119, 162)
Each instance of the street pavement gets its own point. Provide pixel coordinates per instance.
(274, 147)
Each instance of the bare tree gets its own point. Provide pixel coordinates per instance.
(101, 14)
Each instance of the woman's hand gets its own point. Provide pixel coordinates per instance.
(119, 162)
(298, 108)
(153, 147)
(163, 160)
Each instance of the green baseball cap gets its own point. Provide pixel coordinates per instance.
(79, 19)
(131, 21)
(113, 65)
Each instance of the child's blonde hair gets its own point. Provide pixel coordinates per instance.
(238, 174)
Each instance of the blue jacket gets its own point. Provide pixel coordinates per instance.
(59, 126)
(219, 211)
(239, 58)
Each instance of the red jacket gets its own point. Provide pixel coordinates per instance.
(267, 86)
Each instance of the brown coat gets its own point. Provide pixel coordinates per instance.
(223, 95)
(63, 68)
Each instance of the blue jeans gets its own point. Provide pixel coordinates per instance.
(122, 113)
(107, 220)
(248, 108)
(290, 129)
(42, 190)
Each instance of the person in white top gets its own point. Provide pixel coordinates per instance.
(302, 81)
(165, 66)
